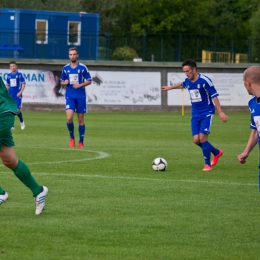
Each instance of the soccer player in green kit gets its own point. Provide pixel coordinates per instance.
(8, 110)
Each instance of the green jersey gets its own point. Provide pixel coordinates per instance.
(7, 103)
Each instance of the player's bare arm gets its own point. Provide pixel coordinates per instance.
(252, 141)
(221, 114)
(84, 84)
(176, 86)
(65, 82)
(19, 94)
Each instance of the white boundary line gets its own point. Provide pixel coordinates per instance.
(102, 155)
(144, 179)
(71, 175)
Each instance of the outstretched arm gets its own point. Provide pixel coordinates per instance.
(176, 86)
(252, 141)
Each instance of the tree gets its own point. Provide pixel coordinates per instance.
(105, 9)
(57, 5)
(231, 16)
(147, 16)
(255, 28)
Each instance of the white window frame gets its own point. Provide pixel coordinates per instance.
(46, 31)
(78, 42)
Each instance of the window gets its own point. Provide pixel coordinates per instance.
(74, 30)
(42, 31)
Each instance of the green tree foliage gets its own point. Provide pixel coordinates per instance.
(105, 9)
(255, 28)
(124, 53)
(57, 5)
(231, 16)
(142, 16)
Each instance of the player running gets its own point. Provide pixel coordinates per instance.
(8, 110)
(202, 95)
(15, 84)
(75, 76)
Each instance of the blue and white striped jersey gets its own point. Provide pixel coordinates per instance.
(75, 75)
(201, 93)
(254, 108)
(14, 82)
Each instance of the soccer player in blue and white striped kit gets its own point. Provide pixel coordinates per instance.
(202, 95)
(15, 84)
(251, 78)
(75, 76)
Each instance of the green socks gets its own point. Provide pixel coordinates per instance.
(23, 173)
(1, 191)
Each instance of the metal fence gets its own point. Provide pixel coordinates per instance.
(178, 47)
(149, 47)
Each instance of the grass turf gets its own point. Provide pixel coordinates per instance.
(106, 202)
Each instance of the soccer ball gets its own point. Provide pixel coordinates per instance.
(159, 164)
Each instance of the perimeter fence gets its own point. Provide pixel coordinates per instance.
(147, 47)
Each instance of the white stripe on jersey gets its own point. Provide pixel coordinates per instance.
(206, 79)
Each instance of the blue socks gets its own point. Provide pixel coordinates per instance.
(20, 115)
(71, 129)
(81, 130)
(81, 133)
(206, 150)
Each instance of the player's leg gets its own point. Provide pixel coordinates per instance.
(199, 140)
(23, 173)
(81, 109)
(81, 129)
(70, 107)
(205, 124)
(14, 97)
(20, 169)
(18, 101)
(195, 129)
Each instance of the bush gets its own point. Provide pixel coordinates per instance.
(124, 53)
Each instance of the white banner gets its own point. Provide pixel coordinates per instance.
(107, 88)
(125, 88)
(230, 87)
(41, 86)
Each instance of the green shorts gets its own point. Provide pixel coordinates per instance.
(6, 123)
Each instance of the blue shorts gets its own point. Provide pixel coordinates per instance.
(17, 100)
(78, 105)
(201, 125)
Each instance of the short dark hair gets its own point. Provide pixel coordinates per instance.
(190, 63)
(73, 49)
(12, 62)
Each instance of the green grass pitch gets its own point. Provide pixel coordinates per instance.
(106, 203)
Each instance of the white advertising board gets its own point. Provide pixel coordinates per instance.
(107, 88)
(125, 88)
(230, 87)
(41, 86)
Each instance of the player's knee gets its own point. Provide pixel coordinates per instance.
(11, 164)
(196, 140)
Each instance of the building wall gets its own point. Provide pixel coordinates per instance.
(18, 27)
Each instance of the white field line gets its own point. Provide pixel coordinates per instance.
(102, 155)
(99, 176)
(145, 179)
